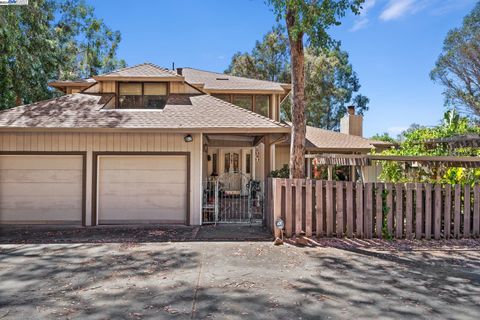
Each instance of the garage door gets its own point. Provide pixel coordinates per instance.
(43, 189)
(142, 189)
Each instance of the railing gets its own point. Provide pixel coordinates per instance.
(369, 210)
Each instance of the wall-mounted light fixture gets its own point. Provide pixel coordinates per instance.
(188, 138)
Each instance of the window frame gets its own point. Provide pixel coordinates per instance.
(269, 98)
(244, 95)
(117, 94)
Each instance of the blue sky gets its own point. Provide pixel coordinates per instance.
(393, 45)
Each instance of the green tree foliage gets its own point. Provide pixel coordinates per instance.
(306, 20)
(383, 137)
(458, 67)
(331, 84)
(414, 145)
(48, 40)
(268, 60)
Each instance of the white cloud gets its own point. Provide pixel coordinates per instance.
(366, 6)
(397, 8)
(359, 24)
(362, 21)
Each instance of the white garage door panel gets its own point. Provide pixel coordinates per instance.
(142, 189)
(40, 176)
(145, 176)
(33, 191)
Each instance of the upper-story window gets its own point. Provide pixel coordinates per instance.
(139, 95)
(262, 104)
(259, 103)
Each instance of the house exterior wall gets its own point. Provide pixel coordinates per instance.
(282, 156)
(101, 141)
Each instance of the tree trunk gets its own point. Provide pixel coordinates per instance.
(297, 144)
(18, 100)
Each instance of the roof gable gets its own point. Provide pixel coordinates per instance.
(142, 71)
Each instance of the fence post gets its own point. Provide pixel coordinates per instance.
(438, 211)
(308, 207)
(277, 204)
(319, 208)
(390, 208)
(298, 206)
(419, 211)
(447, 220)
(399, 210)
(476, 211)
(288, 208)
(359, 202)
(428, 211)
(379, 209)
(368, 210)
(350, 209)
(329, 204)
(457, 218)
(409, 211)
(339, 211)
(466, 212)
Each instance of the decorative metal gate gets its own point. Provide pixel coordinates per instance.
(232, 198)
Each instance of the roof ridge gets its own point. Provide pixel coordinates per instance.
(247, 111)
(231, 75)
(138, 65)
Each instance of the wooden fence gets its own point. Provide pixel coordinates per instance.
(373, 210)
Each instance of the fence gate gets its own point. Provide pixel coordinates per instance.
(232, 198)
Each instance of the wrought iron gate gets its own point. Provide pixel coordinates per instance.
(232, 198)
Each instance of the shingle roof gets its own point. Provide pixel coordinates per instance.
(181, 112)
(144, 70)
(322, 139)
(219, 81)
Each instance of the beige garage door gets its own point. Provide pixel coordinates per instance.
(142, 189)
(43, 189)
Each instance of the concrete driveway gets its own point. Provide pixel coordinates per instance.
(229, 280)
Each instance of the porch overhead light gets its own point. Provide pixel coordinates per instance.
(188, 138)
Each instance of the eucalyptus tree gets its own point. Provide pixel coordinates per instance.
(306, 20)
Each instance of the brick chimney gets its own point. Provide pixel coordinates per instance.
(352, 123)
(180, 71)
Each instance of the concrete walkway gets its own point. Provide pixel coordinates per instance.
(231, 280)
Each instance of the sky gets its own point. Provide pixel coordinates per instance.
(392, 44)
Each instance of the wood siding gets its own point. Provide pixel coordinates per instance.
(113, 142)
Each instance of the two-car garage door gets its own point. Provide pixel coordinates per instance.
(50, 189)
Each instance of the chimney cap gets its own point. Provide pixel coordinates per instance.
(351, 110)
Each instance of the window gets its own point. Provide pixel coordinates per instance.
(262, 104)
(248, 165)
(244, 101)
(142, 95)
(224, 97)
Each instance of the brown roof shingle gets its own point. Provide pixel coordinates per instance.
(144, 70)
(326, 140)
(201, 112)
(219, 81)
